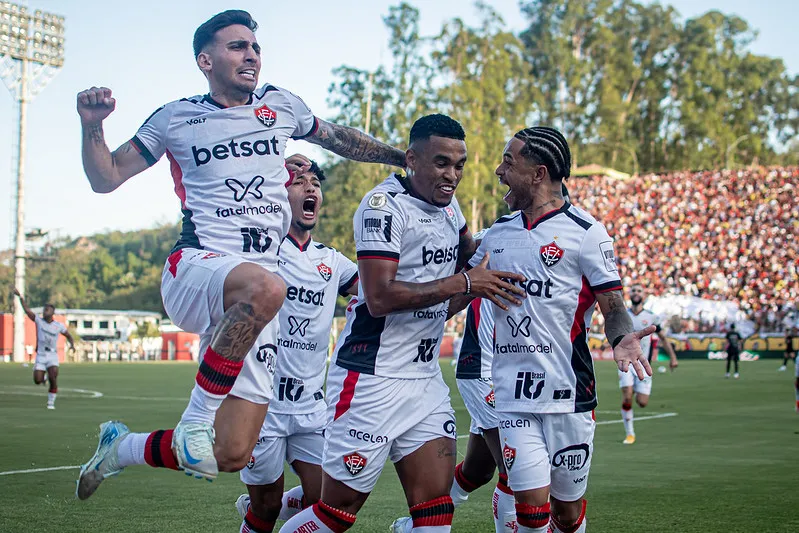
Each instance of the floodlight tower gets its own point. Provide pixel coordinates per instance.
(31, 53)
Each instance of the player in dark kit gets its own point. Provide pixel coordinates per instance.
(733, 350)
(790, 351)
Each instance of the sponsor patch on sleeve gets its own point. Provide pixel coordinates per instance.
(376, 226)
(606, 249)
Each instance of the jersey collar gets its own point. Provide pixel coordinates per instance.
(543, 218)
(207, 98)
(301, 247)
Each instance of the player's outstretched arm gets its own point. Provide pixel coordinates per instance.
(355, 144)
(385, 295)
(25, 307)
(673, 363)
(71, 341)
(625, 342)
(106, 170)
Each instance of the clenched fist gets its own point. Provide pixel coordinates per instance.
(95, 104)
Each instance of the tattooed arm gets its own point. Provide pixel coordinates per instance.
(355, 144)
(619, 327)
(384, 294)
(106, 170)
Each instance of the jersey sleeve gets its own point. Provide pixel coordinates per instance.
(61, 327)
(306, 122)
(479, 253)
(347, 273)
(461, 220)
(598, 260)
(378, 226)
(38, 320)
(150, 140)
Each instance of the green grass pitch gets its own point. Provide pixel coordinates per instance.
(727, 462)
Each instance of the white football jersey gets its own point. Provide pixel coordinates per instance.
(541, 359)
(314, 276)
(477, 348)
(228, 165)
(47, 335)
(392, 225)
(642, 320)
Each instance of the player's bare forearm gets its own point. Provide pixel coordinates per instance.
(356, 145)
(667, 346)
(617, 320)
(108, 170)
(458, 303)
(30, 314)
(403, 296)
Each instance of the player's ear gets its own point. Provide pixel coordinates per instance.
(204, 62)
(410, 160)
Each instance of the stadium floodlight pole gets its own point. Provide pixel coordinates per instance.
(31, 53)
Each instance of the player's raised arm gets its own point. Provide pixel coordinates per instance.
(25, 307)
(106, 170)
(356, 145)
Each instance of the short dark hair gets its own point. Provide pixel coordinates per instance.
(436, 125)
(548, 147)
(207, 30)
(317, 170)
(51, 306)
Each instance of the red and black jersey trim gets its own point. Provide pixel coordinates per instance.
(580, 222)
(300, 246)
(207, 98)
(188, 233)
(143, 150)
(359, 350)
(531, 225)
(614, 285)
(469, 358)
(312, 131)
(266, 89)
(379, 254)
(348, 285)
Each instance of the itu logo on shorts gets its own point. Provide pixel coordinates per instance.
(354, 463)
(572, 457)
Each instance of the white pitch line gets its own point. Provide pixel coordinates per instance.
(35, 470)
(25, 392)
(638, 418)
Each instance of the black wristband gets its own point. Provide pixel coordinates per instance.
(616, 341)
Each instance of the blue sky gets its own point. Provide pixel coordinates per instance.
(142, 51)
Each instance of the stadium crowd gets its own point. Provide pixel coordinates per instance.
(721, 235)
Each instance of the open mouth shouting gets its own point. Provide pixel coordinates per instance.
(310, 207)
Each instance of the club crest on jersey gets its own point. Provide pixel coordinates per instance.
(354, 463)
(490, 399)
(265, 115)
(325, 271)
(551, 254)
(451, 215)
(508, 456)
(251, 462)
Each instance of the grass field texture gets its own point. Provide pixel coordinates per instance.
(728, 461)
